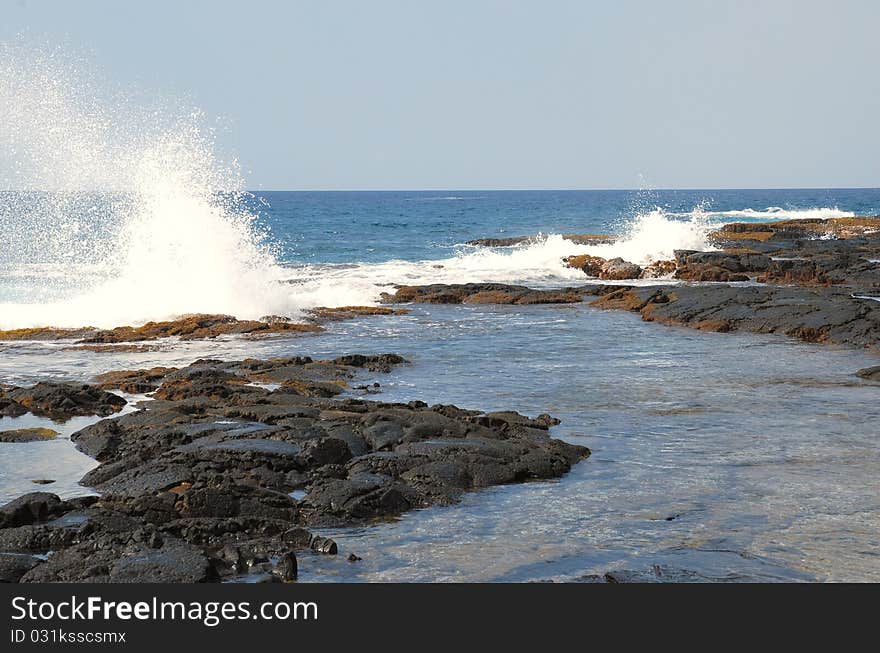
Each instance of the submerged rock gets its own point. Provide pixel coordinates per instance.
(482, 293)
(870, 373)
(27, 435)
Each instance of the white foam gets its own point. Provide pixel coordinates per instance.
(779, 213)
(128, 211)
(649, 237)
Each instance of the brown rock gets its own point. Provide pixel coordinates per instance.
(591, 265)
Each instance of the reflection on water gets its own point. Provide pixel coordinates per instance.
(51, 465)
(733, 456)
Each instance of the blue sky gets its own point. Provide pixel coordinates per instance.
(487, 94)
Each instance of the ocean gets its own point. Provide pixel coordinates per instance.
(715, 456)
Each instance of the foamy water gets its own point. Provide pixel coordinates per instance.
(649, 237)
(133, 209)
(779, 213)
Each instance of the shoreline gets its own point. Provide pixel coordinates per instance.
(219, 477)
(210, 473)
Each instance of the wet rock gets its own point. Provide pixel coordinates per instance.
(323, 545)
(658, 574)
(299, 538)
(870, 373)
(28, 435)
(61, 401)
(286, 567)
(381, 363)
(134, 381)
(196, 485)
(15, 565)
(589, 265)
(30, 508)
(45, 333)
(350, 312)
(740, 233)
(10, 408)
(578, 239)
(617, 269)
(314, 388)
(658, 269)
(195, 327)
(826, 315)
(35, 538)
(720, 266)
(353, 558)
(482, 293)
(836, 251)
(173, 562)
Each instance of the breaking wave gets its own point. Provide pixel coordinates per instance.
(649, 237)
(778, 213)
(121, 212)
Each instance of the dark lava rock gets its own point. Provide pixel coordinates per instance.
(15, 565)
(30, 508)
(61, 401)
(828, 315)
(659, 574)
(286, 567)
(381, 363)
(483, 293)
(134, 381)
(196, 486)
(323, 545)
(101, 561)
(720, 266)
(10, 408)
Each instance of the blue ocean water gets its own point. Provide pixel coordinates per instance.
(376, 226)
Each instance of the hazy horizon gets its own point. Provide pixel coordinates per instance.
(487, 95)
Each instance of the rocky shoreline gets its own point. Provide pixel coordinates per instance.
(817, 280)
(222, 472)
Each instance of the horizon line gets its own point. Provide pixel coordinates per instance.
(526, 190)
(472, 190)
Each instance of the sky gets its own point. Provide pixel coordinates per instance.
(326, 94)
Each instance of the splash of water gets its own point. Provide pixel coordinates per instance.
(118, 212)
(650, 236)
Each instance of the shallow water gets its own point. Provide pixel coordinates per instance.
(734, 456)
